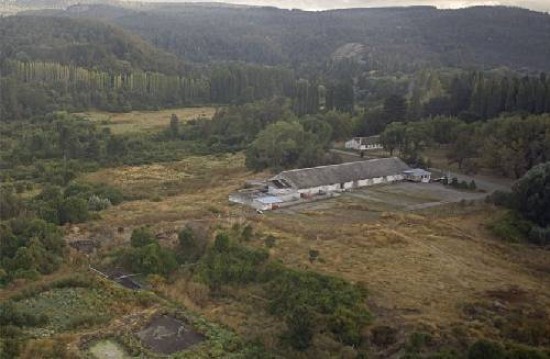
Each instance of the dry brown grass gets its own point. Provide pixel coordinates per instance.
(195, 188)
(419, 267)
(141, 121)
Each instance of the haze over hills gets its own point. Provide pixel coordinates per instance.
(316, 5)
(538, 5)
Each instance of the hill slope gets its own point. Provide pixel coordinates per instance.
(408, 37)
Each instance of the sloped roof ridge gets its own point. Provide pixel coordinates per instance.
(341, 164)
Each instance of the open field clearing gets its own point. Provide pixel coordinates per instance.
(142, 121)
(418, 268)
(422, 267)
(214, 174)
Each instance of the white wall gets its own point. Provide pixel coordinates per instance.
(261, 206)
(350, 185)
(236, 198)
(352, 144)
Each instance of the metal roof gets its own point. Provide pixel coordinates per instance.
(341, 173)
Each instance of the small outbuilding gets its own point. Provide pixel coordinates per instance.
(266, 203)
(364, 143)
(417, 175)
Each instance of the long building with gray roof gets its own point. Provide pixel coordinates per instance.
(339, 177)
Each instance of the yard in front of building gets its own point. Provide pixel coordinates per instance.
(398, 196)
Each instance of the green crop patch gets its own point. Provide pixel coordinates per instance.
(69, 308)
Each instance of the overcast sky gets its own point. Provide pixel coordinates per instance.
(540, 5)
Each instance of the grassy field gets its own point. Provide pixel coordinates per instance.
(421, 268)
(142, 121)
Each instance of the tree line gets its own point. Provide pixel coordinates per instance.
(508, 145)
(35, 88)
(478, 95)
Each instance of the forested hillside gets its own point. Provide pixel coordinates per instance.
(390, 39)
(84, 43)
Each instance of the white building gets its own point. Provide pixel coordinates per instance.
(364, 143)
(417, 175)
(319, 180)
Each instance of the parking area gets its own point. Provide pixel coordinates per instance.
(399, 196)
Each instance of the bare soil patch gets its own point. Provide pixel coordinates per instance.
(167, 335)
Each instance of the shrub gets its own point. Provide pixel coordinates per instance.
(112, 194)
(96, 203)
(10, 205)
(86, 321)
(483, 349)
(190, 247)
(313, 255)
(539, 235)
(270, 241)
(383, 336)
(222, 242)
(73, 210)
(333, 302)
(510, 227)
(11, 315)
(300, 328)
(226, 263)
(501, 198)
(532, 195)
(417, 341)
(518, 352)
(247, 233)
(141, 237)
(346, 326)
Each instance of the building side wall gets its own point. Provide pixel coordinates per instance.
(350, 185)
(352, 144)
(261, 206)
(237, 198)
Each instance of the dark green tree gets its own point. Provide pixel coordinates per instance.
(395, 109)
(532, 195)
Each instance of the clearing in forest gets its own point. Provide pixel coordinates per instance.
(142, 121)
